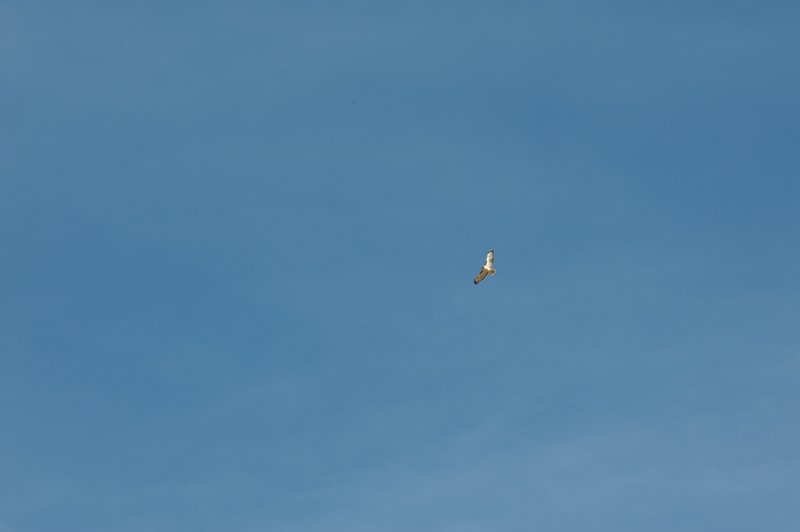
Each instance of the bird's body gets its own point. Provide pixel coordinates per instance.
(488, 268)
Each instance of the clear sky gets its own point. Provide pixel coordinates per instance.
(237, 243)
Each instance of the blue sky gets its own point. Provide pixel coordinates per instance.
(237, 245)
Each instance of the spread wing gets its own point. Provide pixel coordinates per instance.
(487, 268)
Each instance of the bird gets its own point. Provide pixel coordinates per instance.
(488, 268)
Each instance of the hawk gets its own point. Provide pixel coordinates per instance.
(487, 269)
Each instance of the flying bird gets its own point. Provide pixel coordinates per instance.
(487, 269)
